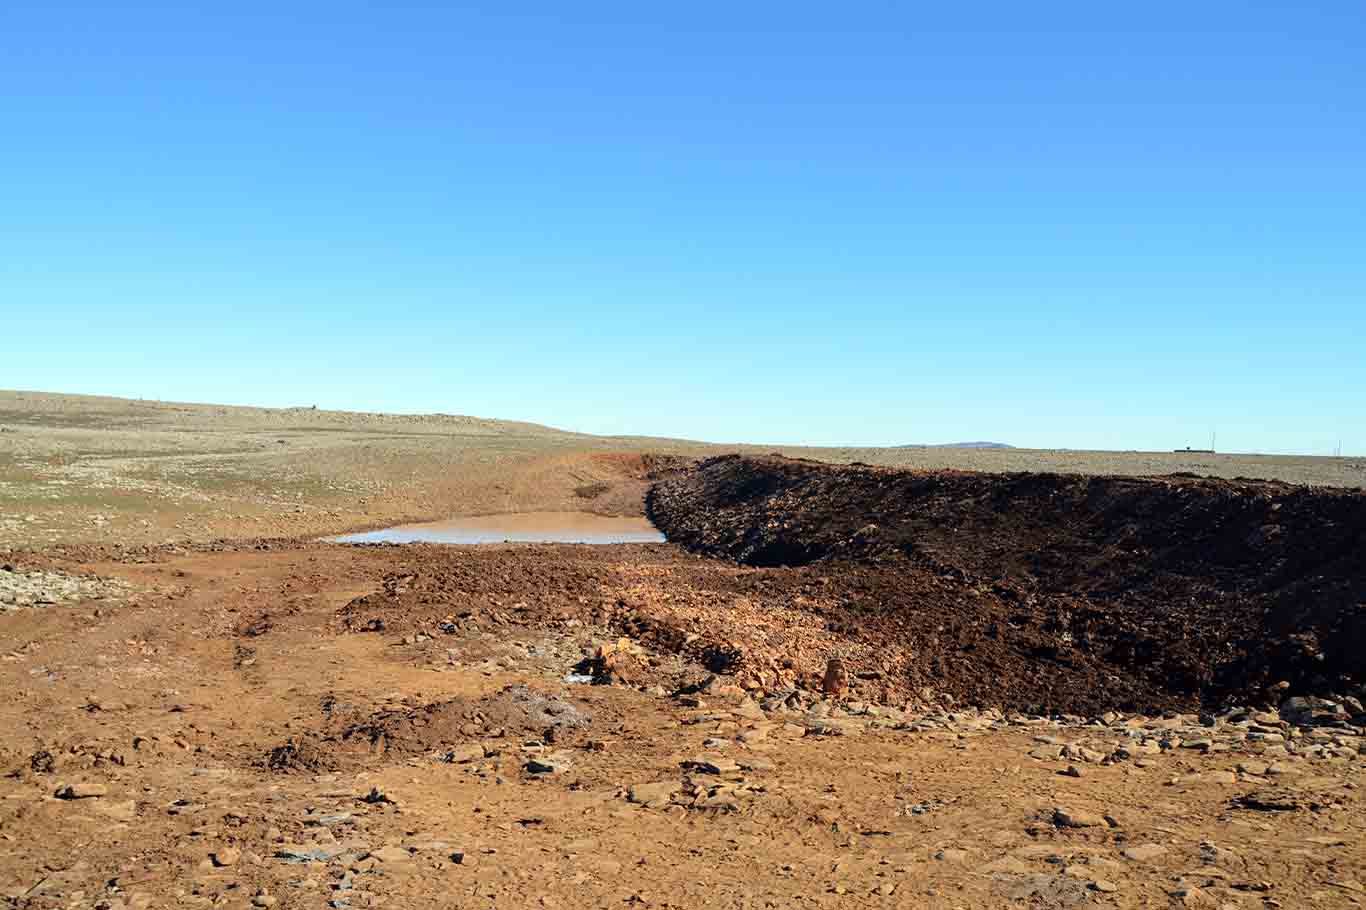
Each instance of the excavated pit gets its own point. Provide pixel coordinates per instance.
(1056, 590)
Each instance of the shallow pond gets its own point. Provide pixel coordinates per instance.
(525, 527)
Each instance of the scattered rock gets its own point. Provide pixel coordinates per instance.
(706, 764)
(82, 791)
(392, 855)
(749, 710)
(376, 797)
(836, 679)
(833, 726)
(1270, 800)
(463, 754)
(547, 765)
(653, 795)
(1071, 818)
(226, 856)
(1144, 853)
(308, 853)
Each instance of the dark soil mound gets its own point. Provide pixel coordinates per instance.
(1063, 590)
(304, 753)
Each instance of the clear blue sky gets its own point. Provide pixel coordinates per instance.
(1056, 224)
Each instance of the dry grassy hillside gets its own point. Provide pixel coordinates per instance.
(90, 468)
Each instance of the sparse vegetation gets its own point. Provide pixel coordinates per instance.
(157, 470)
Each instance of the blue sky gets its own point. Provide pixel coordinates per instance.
(1054, 225)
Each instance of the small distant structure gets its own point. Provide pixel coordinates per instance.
(1189, 451)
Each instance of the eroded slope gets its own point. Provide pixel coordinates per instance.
(1197, 588)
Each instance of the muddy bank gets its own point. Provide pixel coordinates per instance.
(1202, 590)
(523, 527)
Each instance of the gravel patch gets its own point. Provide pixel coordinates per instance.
(20, 589)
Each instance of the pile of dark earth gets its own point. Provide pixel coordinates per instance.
(1056, 591)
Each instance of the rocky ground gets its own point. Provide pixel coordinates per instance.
(839, 688)
(310, 725)
(40, 589)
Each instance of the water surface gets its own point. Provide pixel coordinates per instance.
(524, 527)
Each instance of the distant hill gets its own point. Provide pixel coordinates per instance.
(957, 445)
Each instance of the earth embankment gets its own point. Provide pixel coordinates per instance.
(1182, 587)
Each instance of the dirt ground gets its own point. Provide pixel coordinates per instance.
(285, 727)
(785, 708)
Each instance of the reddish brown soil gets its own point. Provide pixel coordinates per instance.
(348, 737)
(1060, 591)
(238, 721)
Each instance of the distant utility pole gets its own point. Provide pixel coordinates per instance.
(1211, 440)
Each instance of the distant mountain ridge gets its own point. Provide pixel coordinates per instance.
(957, 445)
